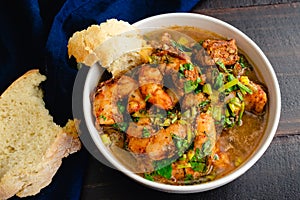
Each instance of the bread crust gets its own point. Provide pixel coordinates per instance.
(82, 44)
(26, 181)
(114, 44)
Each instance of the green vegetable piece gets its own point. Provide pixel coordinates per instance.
(244, 88)
(240, 95)
(103, 117)
(217, 112)
(219, 81)
(207, 148)
(165, 171)
(204, 103)
(105, 139)
(207, 89)
(122, 126)
(188, 66)
(190, 86)
(121, 107)
(145, 133)
(228, 85)
(222, 66)
(149, 177)
(147, 97)
(198, 166)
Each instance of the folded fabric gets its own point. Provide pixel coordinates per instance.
(35, 35)
(77, 15)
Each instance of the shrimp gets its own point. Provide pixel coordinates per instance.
(256, 101)
(150, 80)
(135, 141)
(138, 135)
(206, 134)
(192, 99)
(107, 96)
(104, 105)
(161, 145)
(136, 102)
(180, 74)
(222, 162)
(225, 51)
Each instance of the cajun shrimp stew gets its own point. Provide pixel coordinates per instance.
(191, 112)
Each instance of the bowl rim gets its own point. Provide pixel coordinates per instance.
(207, 185)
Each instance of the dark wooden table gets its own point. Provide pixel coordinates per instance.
(275, 26)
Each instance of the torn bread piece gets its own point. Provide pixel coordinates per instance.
(115, 44)
(31, 144)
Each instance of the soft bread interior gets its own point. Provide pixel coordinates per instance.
(27, 137)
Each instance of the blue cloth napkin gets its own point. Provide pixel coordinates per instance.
(35, 33)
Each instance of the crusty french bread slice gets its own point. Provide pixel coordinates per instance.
(115, 44)
(31, 144)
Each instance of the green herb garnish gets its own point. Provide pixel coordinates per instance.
(103, 117)
(190, 86)
(121, 107)
(145, 133)
(147, 97)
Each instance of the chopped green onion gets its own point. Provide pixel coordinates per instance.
(240, 95)
(230, 77)
(204, 103)
(207, 147)
(216, 157)
(188, 66)
(189, 86)
(219, 81)
(189, 135)
(147, 97)
(105, 139)
(145, 133)
(186, 165)
(148, 177)
(244, 88)
(167, 122)
(222, 66)
(122, 126)
(228, 122)
(207, 89)
(103, 117)
(217, 112)
(181, 68)
(174, 120)
(233, 108)
(121, 107)
(235, 101)
(229, 85)
(227, 113)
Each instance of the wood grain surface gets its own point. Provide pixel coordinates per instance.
(274, 26)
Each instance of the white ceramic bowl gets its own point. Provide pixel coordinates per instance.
(244, 43)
